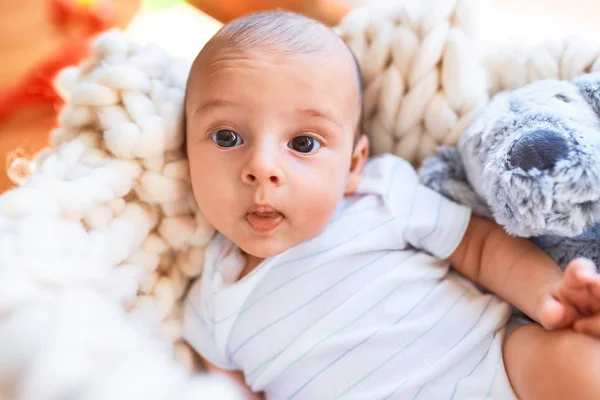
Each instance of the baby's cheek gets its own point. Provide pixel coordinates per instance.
(321, 207)
(213, 197)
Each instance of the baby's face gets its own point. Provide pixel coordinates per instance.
(270, 140)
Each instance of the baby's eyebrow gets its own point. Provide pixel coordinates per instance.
(320, 114)
(214, 104)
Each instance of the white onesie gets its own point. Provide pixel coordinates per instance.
(368, 309)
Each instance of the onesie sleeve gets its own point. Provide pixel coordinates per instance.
(429, 221)
(198, 327)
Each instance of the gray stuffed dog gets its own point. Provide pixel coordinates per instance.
(531, 162)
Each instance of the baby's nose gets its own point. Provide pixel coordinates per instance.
(540, 149)
(256, 178)
(263, 168)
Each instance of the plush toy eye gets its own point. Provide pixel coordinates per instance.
(562, 97)
(226, 138)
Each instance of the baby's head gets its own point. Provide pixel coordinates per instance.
(273, 108)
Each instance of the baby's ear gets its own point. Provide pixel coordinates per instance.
(589, 86)
(360, 155)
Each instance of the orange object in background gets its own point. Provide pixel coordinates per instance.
(329, 12)
(38, 38)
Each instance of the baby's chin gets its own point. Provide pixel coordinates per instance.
(262, 250)
(272, 245)
(265, 247)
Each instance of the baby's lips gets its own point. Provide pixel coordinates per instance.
(263, 209)
(264, 222)
(266, 214)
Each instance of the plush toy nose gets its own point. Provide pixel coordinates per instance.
(539, 149)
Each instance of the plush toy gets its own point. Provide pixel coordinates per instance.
(531, 161)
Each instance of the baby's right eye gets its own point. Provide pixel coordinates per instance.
(226, 138)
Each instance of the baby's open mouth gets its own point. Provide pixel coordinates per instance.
(264, 220)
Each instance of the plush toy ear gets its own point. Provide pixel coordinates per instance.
(589, 86)
(445, 173)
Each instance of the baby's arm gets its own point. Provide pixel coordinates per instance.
(539, 363)
(518, 271)
(236, 376)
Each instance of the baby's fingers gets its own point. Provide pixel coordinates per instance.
(582, 272)
(553, 314)
(589, 326)
(587, 274)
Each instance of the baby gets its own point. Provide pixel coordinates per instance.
(330, 273)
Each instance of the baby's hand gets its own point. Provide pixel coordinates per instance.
(575, 301)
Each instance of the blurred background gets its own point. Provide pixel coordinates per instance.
(38, 37)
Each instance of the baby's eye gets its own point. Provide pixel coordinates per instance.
(304, 144)
(226, 138)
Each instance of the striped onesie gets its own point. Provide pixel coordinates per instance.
(368, 309)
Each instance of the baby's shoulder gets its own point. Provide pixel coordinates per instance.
(382, 177)
(385, 172)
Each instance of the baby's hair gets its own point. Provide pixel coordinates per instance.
(281, 32)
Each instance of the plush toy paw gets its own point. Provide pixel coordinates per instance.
(445, 174)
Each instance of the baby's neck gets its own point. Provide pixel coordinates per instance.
(251, 263)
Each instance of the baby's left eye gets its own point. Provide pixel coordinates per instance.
(304, 144)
